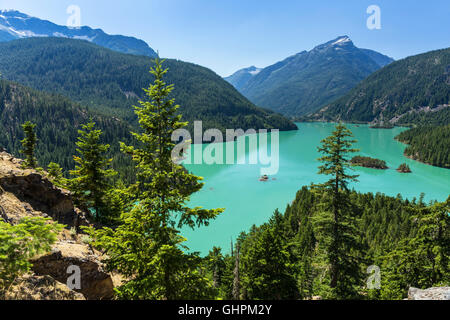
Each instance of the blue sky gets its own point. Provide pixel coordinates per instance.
(226, 35)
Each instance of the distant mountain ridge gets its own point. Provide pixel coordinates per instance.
(111, 83)
(304, 82)
(409, 91)
(240, 78)
(17, 25)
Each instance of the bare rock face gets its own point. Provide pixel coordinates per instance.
(28, 193)
(439, 293)
(95, 283)
(33, 192)
(32, 287)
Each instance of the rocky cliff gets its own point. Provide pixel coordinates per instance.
(439, 293)
(29, 193)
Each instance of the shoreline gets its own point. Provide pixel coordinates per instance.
(356, 123)
(414, 159)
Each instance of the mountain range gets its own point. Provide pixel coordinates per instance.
(412, 90)
(241, 77)
(307, 81)
(59, 78)
(111, 83)
(59, 84)
(17, 25)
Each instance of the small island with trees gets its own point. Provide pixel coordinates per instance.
(404, 168)
(368, 162)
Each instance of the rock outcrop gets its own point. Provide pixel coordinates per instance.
(96, 284)
(41, 288)
(29, 193)
(439, 293)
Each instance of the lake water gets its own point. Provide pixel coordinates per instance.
(249, 201)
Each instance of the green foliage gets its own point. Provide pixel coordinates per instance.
(396, 90)
(109, 82)
(337, 223)
(266, 269)
(215, 262)
(369, 162)
(408, 240)
(91, 185)
(55, 173)
(404, 168)
(439, 117)
(21, 242)
(423, 260)
(29, 145)
(147, 246)
(19, 104)
(428, 144)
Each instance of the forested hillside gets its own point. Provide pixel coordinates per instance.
(437, 117)
(57, 122)
(428, 144)
(16, 25)
(285, 258)
(112, 82)
(307, 81)
(418, 83)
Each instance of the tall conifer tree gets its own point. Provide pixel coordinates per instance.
(29, 145)
(338, 221)
(92, 174)
(148, 248)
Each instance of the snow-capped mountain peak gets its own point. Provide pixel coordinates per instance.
(16, 25)
(341, 40)
(338, 43)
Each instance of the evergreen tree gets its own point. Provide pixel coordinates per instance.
(266, 268)
(217, 266)
(29, 145)
(303, 246)
(20, 243)
(236, 274)
(55, 173)
(337, 221)
(421, 261)
(92, 175)
(147, 247)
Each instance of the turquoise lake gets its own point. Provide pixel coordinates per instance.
(248, 201)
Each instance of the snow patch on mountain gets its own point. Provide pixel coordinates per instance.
(17, 25)
(90, 39)
(255, 71)
(341, 41)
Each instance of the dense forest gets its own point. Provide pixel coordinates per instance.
(112, 82)
(369, 162)
(57, 122)
(328, 241)
(285, 257)
(428, 144)
(400, 87)
(333, 242)
(434, 118)
(105, 86)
